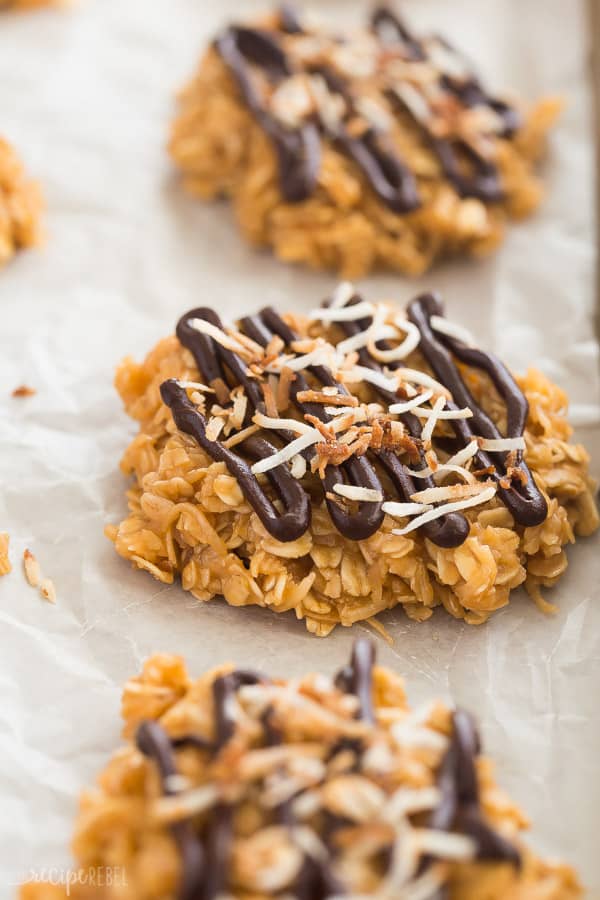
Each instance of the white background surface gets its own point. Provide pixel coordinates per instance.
(86, 96)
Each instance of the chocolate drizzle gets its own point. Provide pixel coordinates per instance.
(525, 502)
(153, 741)
(483, 181)
(357, 678)
(290, 518)
(460, 807)
(298, 150)
(205, 852)
(252, 52)
(214, 361)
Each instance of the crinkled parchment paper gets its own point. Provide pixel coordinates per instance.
(86, 95)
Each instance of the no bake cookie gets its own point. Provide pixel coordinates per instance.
(20, 206)
(346, 462)
(242, 786)
(361, 149)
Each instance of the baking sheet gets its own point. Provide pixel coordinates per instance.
(86, 96)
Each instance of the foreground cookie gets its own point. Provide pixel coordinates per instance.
(20, 206)
(345, 463)
(372, 148)
(238, 785)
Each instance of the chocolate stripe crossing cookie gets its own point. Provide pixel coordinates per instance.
(359, 149)
(243, 786)
(343, 463)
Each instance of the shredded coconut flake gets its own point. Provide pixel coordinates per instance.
(282, 424)
(286, 453)
(400, 510)
(410, 342)
(218, 335)
(357, 341)
(362, 373)
(342, 295)
(298, 467)
(352, 492)
(320, 356)
(500, 445)
(464, 455)
(441, 324)
(397, 408)
(432, 415)
(416, 377)
(449, 492)
(407, 801)
(342, 313)
(445, 844)
(446, 508)
(445, 414)
(195, 386)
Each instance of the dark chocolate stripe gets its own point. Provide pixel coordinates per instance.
(484, 180)
(298, 150)
(460, 807)
(386, 24)
(357, 678)
(525, 502)
(224, 691)
(153, 741)
(287, 526)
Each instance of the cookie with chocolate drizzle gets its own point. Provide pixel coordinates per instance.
(372, 147)
(240, 785)
(346, 462)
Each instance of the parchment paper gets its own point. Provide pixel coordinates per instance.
(86, 96)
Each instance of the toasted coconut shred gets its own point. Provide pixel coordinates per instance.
(238, 785)
(329, 417)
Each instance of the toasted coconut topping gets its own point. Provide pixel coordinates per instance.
(298, 467)
(219, 336)
(397, 408)
(400, 510)
(351, 492)
(484, 497)
(337, 421)
(195, 386)
(501, 445)
(342, 313)
(450, 492)
(307, 439)
(432, 415)
(342, 295)
(282, 424)
(23, 390)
